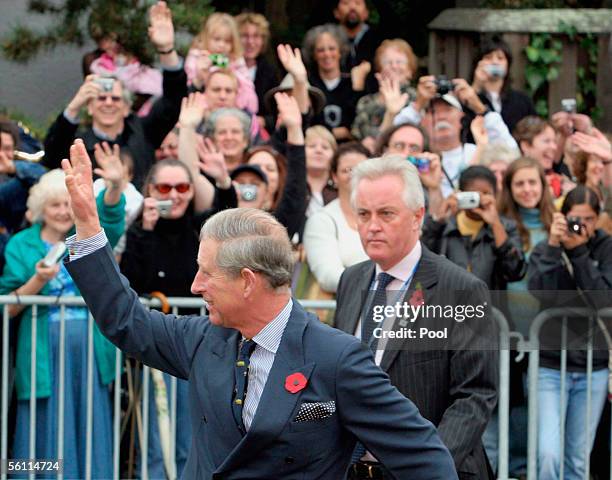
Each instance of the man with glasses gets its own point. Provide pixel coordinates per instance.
(108, 103)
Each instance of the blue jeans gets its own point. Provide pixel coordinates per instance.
(573, 415)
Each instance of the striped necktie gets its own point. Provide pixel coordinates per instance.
(241, 377)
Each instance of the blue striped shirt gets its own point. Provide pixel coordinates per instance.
(267, 340)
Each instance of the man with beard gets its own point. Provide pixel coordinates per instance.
(440, 114)
(352, 16)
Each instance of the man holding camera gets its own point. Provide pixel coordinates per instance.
(453, 382)
(108, 103)
(439, 109)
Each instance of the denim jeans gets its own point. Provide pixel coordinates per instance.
(573, 415)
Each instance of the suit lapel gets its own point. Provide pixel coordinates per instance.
(276, 405)
(425, 277)
(220, 379)
(359, 293)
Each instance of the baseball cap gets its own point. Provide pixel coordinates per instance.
(249, 168)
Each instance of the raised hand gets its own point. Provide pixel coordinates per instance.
(212, 161)
(109, 163)
(193, 108)
(288, 111)
(392, 96)
(6, 166)
(359, 74)
(150, 214)
(291, 59)
(426, 90)
(477, 127)
(87, 91)
(468, 96)
(161, 29)
(596, 144)
(79, 181)
(487, 209)
(432, 177)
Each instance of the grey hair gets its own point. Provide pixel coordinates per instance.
(51, 185)
(310, 40)
(254, 239)
(211, 123)
(498, 152)
(375, 168)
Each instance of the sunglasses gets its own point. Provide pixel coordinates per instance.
(114, 98)
(166, 187)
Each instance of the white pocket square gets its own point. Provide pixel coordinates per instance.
(315, 411)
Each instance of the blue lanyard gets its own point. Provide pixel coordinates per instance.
(402, 291)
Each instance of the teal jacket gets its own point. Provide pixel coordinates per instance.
(22, 253)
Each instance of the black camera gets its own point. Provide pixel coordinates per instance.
(574, 225)
(443, 85)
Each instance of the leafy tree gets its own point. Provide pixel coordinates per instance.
(122, 20)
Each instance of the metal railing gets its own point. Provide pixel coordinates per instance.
(143, 412)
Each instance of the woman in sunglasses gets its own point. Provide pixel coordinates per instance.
(161, 249)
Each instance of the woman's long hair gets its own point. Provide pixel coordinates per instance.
(508, 207)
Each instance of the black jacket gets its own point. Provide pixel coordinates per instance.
(515, 106)
(266, 77)
(494, 266)
(552, 283)
(291, 209)
(340, 103)
(140, 136)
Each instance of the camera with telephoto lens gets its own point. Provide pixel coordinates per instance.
(443, 85)
(106, 84)
(422, 164)
(574, 225)
(467, 200)
(219, 60)
(248, 192)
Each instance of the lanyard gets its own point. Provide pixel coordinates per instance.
(402, 291)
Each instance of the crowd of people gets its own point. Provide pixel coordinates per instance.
(521, 203)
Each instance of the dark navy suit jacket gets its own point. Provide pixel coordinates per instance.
(337, 367)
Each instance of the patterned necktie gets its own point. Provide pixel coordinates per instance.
(241, 377)
(367, 328)
(379, 300)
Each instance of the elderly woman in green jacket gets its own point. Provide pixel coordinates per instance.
(25, 274)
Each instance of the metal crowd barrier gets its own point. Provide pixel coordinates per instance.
(505, 335)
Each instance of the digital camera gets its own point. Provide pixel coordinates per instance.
(248, 192)
(568, 105)
(574, 225)
(219, 60)
(443, 85)
(467, 200)
(422, 164)
(106, 84)
(495, 70)
(164, 207)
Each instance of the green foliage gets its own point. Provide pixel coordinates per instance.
(544, 53)
(123, 20)
(35, 128)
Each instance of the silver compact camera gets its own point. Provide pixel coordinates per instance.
(164, 207)
(248, 192)
(55, 254)
(106, 84)
(495, 70)
(467, 200)
(568, 105)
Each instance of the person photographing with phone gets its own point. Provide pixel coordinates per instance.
(576, 257)
(34, 267)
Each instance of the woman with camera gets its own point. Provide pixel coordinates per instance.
(492, 82)
(34, 267)
(576, 257)
(470, 232)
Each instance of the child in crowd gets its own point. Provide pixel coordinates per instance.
(217, 43)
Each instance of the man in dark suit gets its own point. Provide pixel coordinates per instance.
(451, 381)
(274, 393)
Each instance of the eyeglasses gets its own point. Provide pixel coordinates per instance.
(401, 146)
(166, 187)
(397, 62)
(114, 98)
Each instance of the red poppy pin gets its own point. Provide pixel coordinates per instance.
(417, 297)
(295, 382)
